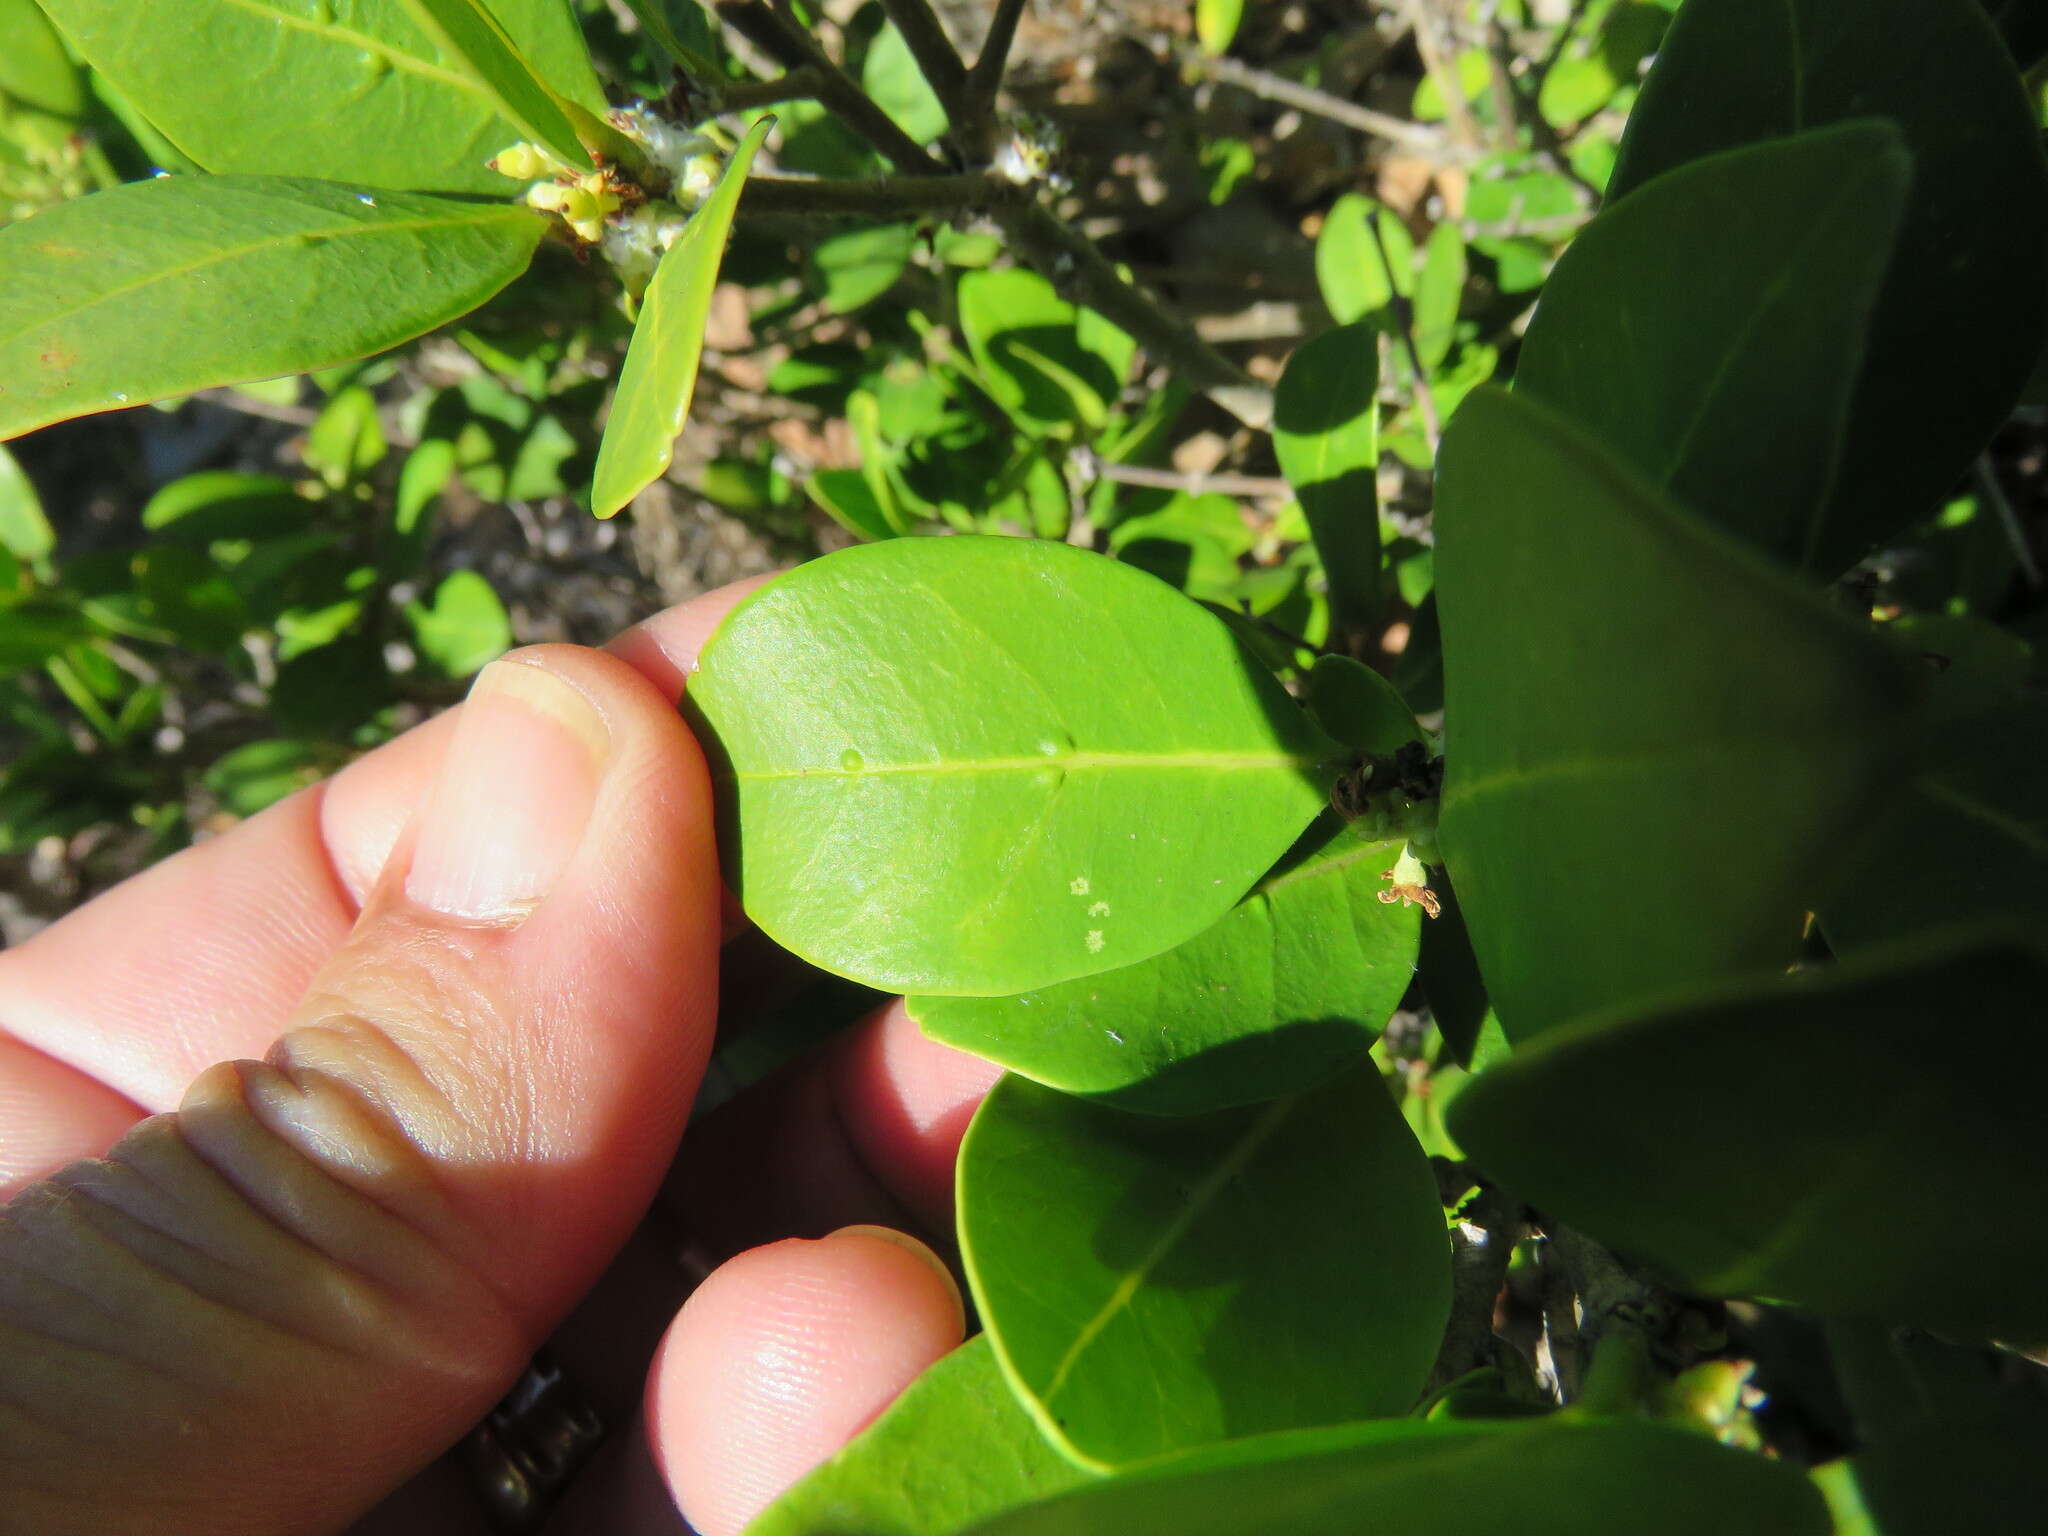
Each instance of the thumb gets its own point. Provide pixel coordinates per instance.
(264, 1311)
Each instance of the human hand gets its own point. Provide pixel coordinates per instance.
(479, 968)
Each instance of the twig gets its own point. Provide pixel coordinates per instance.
(795, 49)
(881, 197)
(1222, 484)
(1548, 144)
(1404, 319)
(1272, 87)
(986, 76)
(1481, 1245)
(804, 84)
(1987, 483)
(937, 59)
(1457, 110)
(1075, 266)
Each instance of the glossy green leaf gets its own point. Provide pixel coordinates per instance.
(1216, 23)
(890, 75)
(660, 372)
(1661, 744)
(25, 530)
(1966, 837)
(1974, 240)
(34, 71)
(1016, 325)
(955, 1448)
(1155, 1284)
(1291, 985)
(1364, 258)
(924, 785)
(463, 627)
(343, 90)
(471, 39)
(1549, 1477)
(1710, 328)
(164, 287)
(1796, 1138)
(1326, 434)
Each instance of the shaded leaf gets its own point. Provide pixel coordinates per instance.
(926, 788)
(1974, 239)
(1326, 435)
(1355, 705)
(25, 530)
(1051, 365)
(1710, 329)
(1146, 1283)
(1660, 745)
(956, 1447)
(168, 286)
(1796, 1138)
(463, 627)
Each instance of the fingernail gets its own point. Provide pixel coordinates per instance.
(909, 1245)
(514, 795)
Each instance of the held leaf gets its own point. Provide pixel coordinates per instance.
(1146, 1284)
(660, 372)
(925, 785)
(162, 287)
(1292, 984)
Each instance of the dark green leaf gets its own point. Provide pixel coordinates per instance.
(1326, 434)
(464, 626)
(925, 786)
(660, 372)
(1710, 328)
(1147, 1283)
(305, 88)
(1549, 1477)
(956, 1447)
(226, 504)
(1053, 366)
(1355, 705)
(852, 504)
(1974, 241)
(164, 287)
(471, 39)
(1804, 1139)
(858, 266)
(1659, 745)
(1291, 985)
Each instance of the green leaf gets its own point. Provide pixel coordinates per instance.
(25, 531)
(168, 286)
(1974, 239)
(258, 775)
(1967, 1474)
(1661, 742)
(890, 75)
(660, 373)
(858, 266)
(1966, 837)
(226, 504)
(1355, 705)
(1154, 1284)
(1292, 984)
(1015, 325)
(1364, 258)
(34, 71)
(346, 441)
(1439, 291)
(851, 503)
(464, 627)
(1326, 434)
(354, 93)
(955, 1448)
(471, 38)
(1710, 328)
(926, 787)
(1512, 199)
(1796, 1138)
(1216, 24)
(1548, 1477)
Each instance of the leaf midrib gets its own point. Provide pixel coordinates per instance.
(348, 37)
(1069, 762)
(1197, 1202)
(235, 253)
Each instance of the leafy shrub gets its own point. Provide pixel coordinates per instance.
(1702, 802)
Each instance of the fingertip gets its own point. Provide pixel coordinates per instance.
(664, 649)
(783, 1355)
